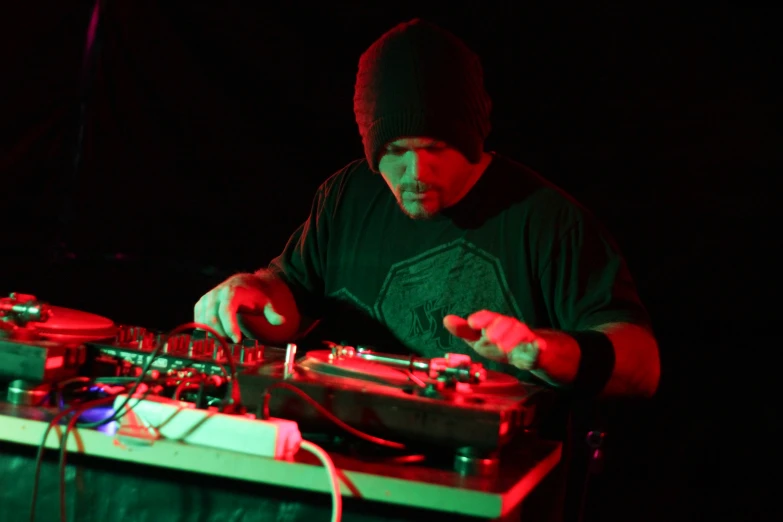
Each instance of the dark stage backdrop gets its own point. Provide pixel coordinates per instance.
(207, 126)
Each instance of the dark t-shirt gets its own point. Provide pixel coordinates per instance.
(515, 244)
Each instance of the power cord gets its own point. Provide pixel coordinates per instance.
(305, 445)
(232, 403)
(331, 470)
(319, 452)
(42, 446)
(64, 446)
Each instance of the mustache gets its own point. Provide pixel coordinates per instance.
(415, 187)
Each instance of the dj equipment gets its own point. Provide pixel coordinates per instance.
(43, 343)
(449, 402)
(132, 346)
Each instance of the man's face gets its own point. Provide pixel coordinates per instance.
(426, 175)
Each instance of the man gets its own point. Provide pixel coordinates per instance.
(433, 245)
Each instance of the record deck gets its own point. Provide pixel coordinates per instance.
(44, 343)
(448, 402)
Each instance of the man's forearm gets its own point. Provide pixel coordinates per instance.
(637, 367)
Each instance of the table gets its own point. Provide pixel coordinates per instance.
(112, 478)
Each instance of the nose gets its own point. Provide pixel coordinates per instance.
(416, 165)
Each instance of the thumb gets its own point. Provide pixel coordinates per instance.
(459, 327)
(272, 316)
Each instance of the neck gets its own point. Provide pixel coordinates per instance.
(475, 175)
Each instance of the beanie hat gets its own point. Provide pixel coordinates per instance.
(420, 80)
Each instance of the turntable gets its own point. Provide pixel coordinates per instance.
(450, 402)
(44, 343)
(24, 318)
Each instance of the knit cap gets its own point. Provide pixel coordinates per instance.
(420, 80)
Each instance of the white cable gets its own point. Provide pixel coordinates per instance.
(326, 460)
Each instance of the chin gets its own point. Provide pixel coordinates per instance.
(420, 209)
(419, 212)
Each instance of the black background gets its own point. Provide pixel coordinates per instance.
(209, 125)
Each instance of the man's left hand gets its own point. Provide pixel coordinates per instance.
(498, 337)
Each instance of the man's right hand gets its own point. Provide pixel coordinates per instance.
(241, 293)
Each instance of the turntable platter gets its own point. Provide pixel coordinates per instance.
(319, 361)
(66, 324)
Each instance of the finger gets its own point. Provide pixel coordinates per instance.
(227, 314)
(499, 328)
(482, 319)
(261, 305)
(197, 310)
(204, 311)
(459, 327)
(272, 316)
